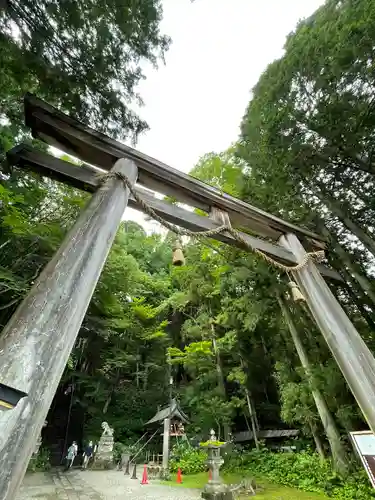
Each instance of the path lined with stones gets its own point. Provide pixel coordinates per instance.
(97, 485)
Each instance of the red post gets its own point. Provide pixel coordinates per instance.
(144, 476)
(179, 476)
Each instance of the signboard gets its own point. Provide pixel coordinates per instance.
(364, 442)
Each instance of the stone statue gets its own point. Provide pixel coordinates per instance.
(107, 431)
(104, 453)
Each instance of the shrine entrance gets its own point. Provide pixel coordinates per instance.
(36, 343)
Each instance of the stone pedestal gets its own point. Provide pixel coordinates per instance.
(225, 494)
(218, 495)
(215, 489)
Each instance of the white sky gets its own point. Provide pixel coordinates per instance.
(194, 104)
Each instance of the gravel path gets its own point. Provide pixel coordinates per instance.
(97, 485)
(113, 485)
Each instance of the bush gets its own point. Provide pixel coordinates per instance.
(303, 470)
(120, 448)
(188, 459)
(39, 462)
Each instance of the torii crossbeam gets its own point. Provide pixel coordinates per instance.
(36, 343)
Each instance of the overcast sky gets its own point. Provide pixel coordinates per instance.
(194, 104)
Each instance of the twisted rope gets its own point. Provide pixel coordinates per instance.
(317, 256)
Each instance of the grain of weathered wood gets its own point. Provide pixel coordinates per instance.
(36, 343)
(86, 179)
(67, 138)
(80, 177)
(347, 346)
(58, 129)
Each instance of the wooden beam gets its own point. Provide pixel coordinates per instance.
(85, 178)
(59, 130)
(65, 138)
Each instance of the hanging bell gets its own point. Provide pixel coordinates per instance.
(178, 258)
(296, 292)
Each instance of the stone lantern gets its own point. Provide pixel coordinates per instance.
(215, 489)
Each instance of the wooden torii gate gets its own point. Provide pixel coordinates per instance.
(36, 343)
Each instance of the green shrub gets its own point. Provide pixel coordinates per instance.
(165, 475)
(188, 459)
(304, 470)
(120, 448)
(39, 462)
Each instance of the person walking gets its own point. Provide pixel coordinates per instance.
(87, 454)
(71, 455)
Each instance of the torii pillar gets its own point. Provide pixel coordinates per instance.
(351, 353)
(36, 343)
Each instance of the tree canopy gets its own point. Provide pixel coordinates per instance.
(84, 57)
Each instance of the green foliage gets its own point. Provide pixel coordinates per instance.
(267, 491)
(121, 448)
(165, 475)
(308, 136)
(222, 171)
(189, 460)
(197, 355)
(302, 470)
(84, 57)
(208, 443)
(39, 462)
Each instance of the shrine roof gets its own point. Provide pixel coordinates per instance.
(171, 411)
(265, 434)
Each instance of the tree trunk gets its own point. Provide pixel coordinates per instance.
(347, 157)
(252, 412)
(145, 378)
(338, 452)
(318, 441)
(339, 212)
(253, 426)
(219, 369)
(106, 404)
(247, 422)
(220, 378)
(218, 429)
(109, 398)
(137, 376)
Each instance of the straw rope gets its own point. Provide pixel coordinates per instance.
(316, 256)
